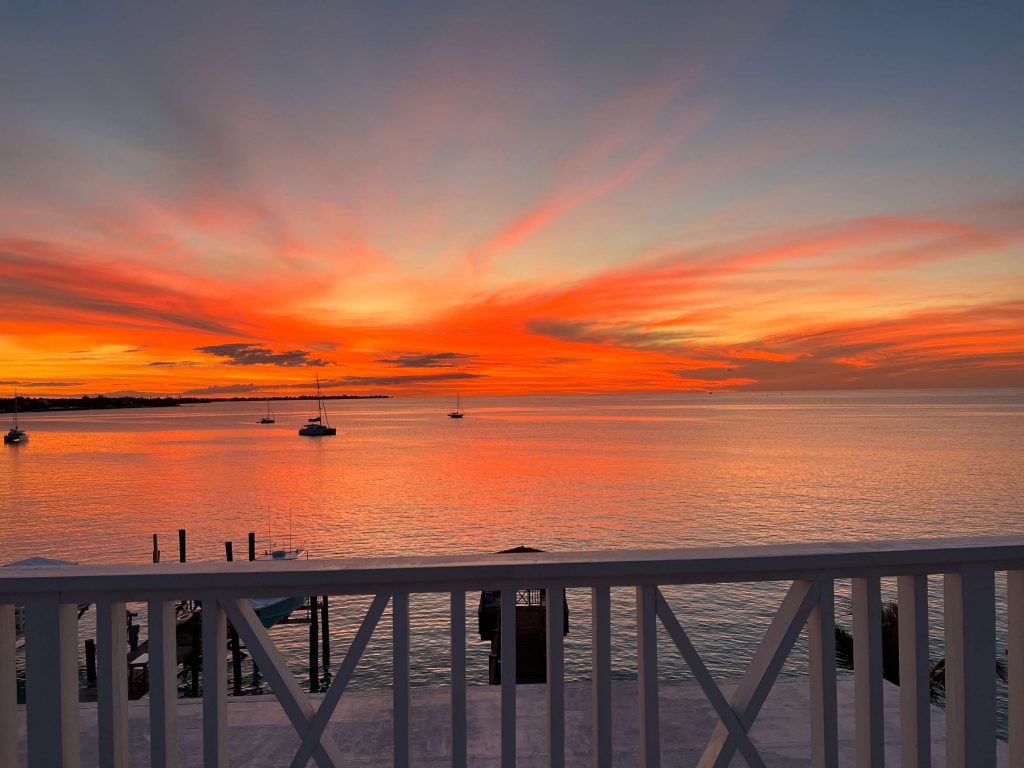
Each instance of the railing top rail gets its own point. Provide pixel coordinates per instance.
(768, 562)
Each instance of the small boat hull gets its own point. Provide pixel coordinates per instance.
(274, 610)
(454, 415)
(317, 430)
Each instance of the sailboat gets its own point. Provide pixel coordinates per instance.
(319, 426)
(15, 434)
(268, 419)
(458, 413)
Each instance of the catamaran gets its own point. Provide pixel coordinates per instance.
(319, 426)
(15, 434)
(458, 413)
(268, 419)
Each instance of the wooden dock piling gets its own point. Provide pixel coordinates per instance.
(325, 643)
(181, 545)
(314, 651)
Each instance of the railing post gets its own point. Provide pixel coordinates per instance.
(555, 618)
(647, 675)
(215, 685)
(163, 685)
(8, 689)
(112, 686)
(1015, 662)
(508, 677)
(821, 646)
(51, 677)
(970, 668)
(915, 685)
(458, 654)
(601, 661)
(400, 661)
(867, 672)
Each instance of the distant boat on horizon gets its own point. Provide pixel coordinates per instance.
(318, 426)
(458, 413)
(269, 418)
(15, 435)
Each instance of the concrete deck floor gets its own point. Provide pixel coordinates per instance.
(260, 736)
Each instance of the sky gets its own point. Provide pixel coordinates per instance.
(504, 198)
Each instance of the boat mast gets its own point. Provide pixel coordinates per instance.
(321, 408)
(15, 409)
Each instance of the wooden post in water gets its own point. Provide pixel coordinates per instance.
(228, 551)
(156, 550)
(325, 642)
(194, 659)
(90, 661)
(181, 545)
(252, 545)
(314, 653)
(236, 660)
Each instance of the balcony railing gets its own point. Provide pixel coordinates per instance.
(968, 568)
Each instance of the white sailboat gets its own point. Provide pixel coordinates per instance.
(458, 413)
(318, 426)
(15, 434)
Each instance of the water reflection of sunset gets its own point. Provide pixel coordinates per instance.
(554, 472)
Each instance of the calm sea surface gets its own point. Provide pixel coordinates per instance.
(559, 473)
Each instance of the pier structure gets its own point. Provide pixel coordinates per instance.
(969, 569)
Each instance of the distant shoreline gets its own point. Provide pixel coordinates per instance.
(103, 403)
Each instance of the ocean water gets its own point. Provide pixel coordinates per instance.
(554, 472)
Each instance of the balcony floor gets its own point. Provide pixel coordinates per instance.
(260, 736)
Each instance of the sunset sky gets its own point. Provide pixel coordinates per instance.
(414, 198)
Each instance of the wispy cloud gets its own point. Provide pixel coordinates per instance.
(429, 360)
(225, 389)
(399, 381)
(28, 384)
(240, 353)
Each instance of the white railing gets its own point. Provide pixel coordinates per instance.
(51, 596)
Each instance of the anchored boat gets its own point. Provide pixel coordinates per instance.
(15, 434)
(319, 426)
(458, 413)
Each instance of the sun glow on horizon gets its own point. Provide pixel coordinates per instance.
(506, 201)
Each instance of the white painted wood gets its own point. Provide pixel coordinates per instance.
(711, 690)
(8, 689)
(458, 662)
(112, 683)
(508, 677)
(915, 685)
(1015, 662)
(314, 733)
(470, 573)
(51, 677)
(400, 678)
(599, 570)
(867, 672)
(215, 686)
(647, 676)
(601, 671)
(163, 686)
(970, 668)
(555, 620)
(297, 706)
(821, 648)
(753, 688)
